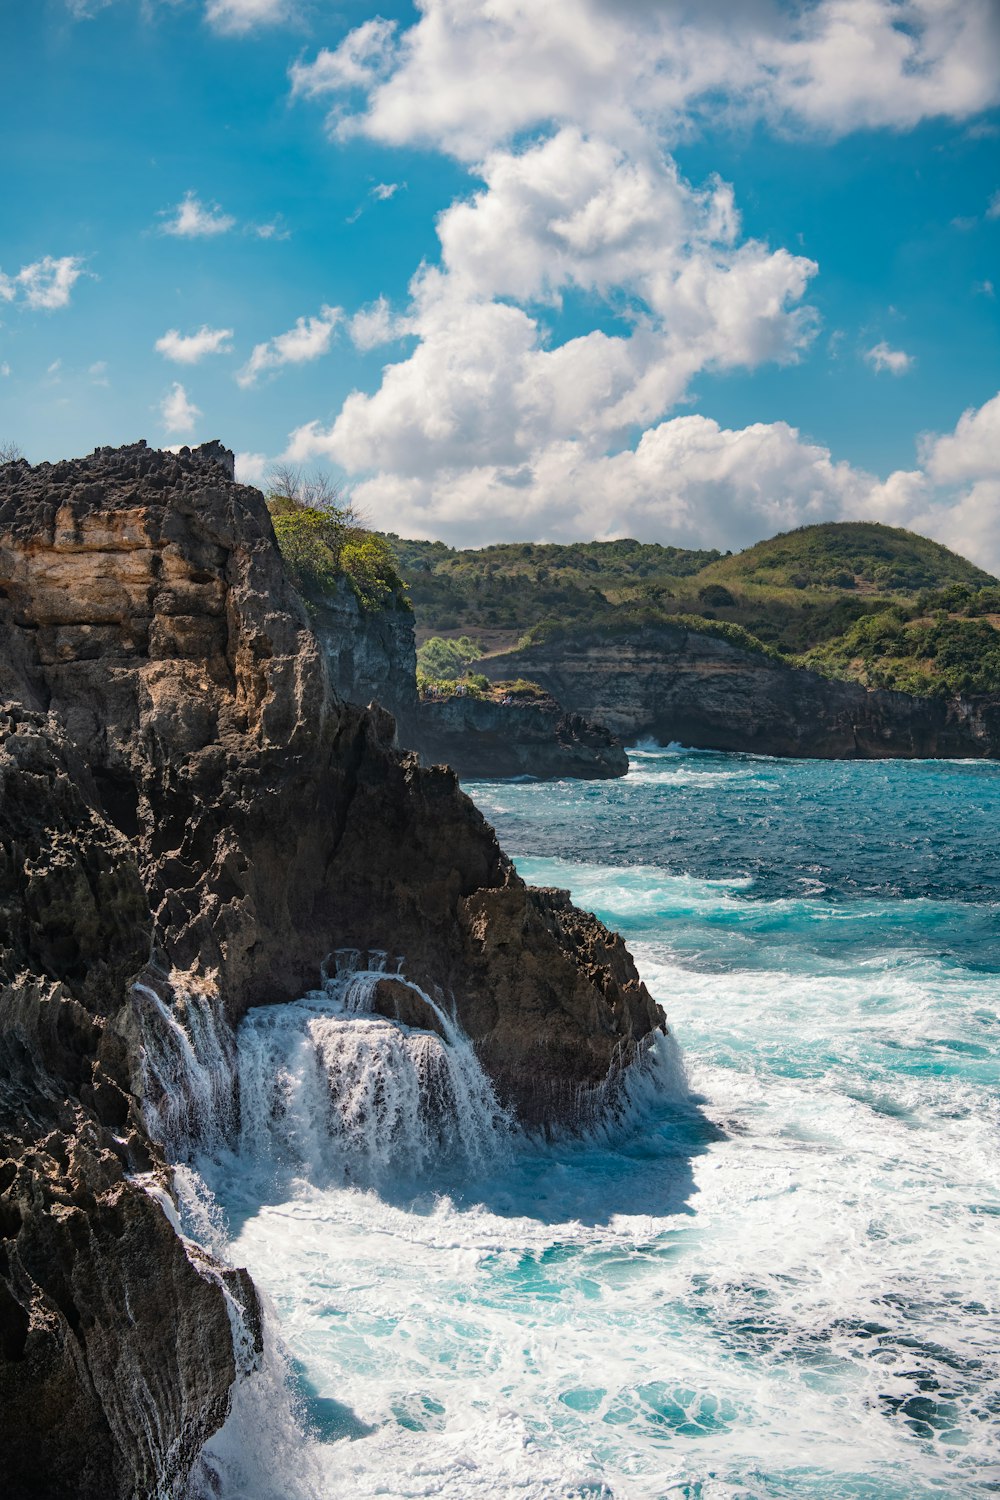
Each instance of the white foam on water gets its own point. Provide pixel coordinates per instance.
(783, 1286)
(800, 1301)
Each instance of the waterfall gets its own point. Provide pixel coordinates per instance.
(322, 1087)
(188, 1070)
(329, 1089)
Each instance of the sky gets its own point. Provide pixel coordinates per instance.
(685, 270)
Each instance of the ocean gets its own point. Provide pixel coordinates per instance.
(775, 1273)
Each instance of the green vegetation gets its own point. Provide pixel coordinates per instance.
(854, 599)
(324, 541)
(924, 649)
(520, 689)
(447, 660)
(847, 555)
(628, 618)
(513, 586)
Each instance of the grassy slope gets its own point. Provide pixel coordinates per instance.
(853, 599)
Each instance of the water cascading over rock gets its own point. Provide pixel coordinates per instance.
(189, 806)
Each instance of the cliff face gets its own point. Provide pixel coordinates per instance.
(116, 1352)
(370, 654)
(187, 795)
(680, 685)
(479, 737)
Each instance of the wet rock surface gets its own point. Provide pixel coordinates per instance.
(679, 685)
(184, 790)
(481, 738)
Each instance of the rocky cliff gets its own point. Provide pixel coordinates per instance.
(370, 653)
(188, 802)
(676, 684)
(480, 737)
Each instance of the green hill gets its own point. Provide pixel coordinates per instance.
(851, 555)
(849, 598)
(505, 589)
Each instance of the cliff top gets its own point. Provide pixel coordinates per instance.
(112, 478)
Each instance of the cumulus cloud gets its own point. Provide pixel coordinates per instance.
(179, 414)
(485, 384)
(691, 482)
(188, 349)
(561, 114)
(972, 451)
(688, 480)
(192, 219)
(308, 340)
(44, 284)
(881, 357)
(469, 74)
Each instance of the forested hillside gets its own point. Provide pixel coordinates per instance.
(851, 599)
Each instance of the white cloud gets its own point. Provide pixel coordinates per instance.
(383, 191)
(881, 357)
(687, 481)
(363, 57)
(485, 384)
(188, 349)
(237, 17)
(251, 468)
(972, 451)
(4, 370)
(693, 483)
(308, 340)
(490, 427)
(470, 74)
(85, 10)
(275, 230)
(374, 325)
(993, 207)
(969, 523)
(179, 414)
(44, 284)
(98, 372)
(191, 218)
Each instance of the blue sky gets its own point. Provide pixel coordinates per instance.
(593, 268)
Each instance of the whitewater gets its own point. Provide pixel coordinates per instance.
(773, 1272)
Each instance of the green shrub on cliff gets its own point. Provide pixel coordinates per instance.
(324, 541)
(311, 542)
(367, 560)
(445, 660)
(915, 653)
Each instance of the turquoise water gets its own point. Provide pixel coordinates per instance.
(780, 1276)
